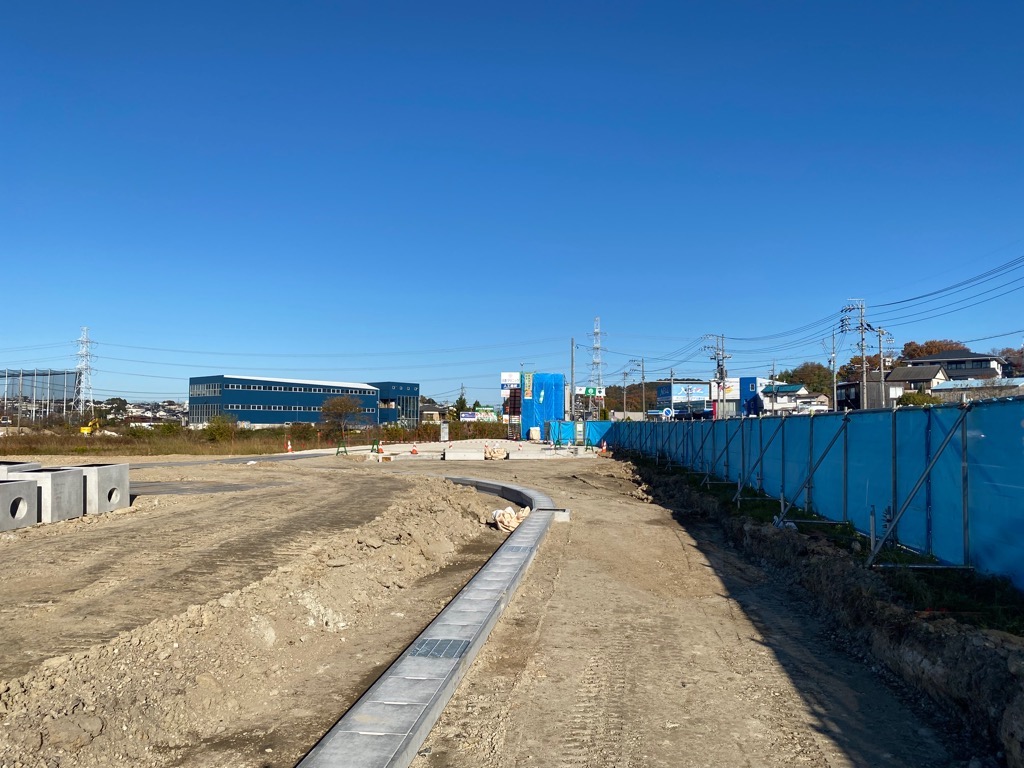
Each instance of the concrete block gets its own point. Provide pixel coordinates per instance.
(464, 453)
(59, 492)
(19, 507)
(105, 487)
(17, 466)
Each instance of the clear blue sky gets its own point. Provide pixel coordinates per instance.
(438, 192)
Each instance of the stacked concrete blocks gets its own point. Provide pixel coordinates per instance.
(59, 492)
(105, 487)
(19, 507)
(7, 467)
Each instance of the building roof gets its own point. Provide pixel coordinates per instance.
(303, 381)
(950, 355)
(782, 389)
(980, 384)
(915, 373)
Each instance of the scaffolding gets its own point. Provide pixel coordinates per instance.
(36, 395)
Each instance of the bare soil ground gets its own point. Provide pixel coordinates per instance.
(235, 611)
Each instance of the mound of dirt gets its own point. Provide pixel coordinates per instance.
(179, 690)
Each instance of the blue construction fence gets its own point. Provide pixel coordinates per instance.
(952, 477)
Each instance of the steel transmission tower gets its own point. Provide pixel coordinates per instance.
(83, 377)
(596, 370)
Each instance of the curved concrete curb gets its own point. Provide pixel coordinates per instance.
(387, 725)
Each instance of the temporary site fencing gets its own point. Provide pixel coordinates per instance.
(946, 481)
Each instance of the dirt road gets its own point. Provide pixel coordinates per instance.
(235, 611)
(637, 641)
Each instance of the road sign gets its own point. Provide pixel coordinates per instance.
(590, 391)
(667, 413)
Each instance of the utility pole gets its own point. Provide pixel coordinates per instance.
(643, 390)
(721, 374)
(572, 379)
(624, 375)
(858, 306)
(671, 391)
(832, 366)
(881, 369)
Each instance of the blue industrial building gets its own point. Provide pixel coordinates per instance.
(398, 402)
(258, 401)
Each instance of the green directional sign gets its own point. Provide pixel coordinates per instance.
(590, 391)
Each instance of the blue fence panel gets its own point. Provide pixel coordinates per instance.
(728, 448)
(797, 459)
(827, 483)
(912, 426)
(596, 431)
(869, 478)
(995, 451)
(561, 431)
(773, 432)
(947, 488)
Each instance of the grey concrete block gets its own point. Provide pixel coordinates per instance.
(19, 506)
(17, 466)
(59, 492)
(106, 487)
(464, 453)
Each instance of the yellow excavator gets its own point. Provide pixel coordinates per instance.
(92, 426)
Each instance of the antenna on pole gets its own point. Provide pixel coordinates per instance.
(83, 373)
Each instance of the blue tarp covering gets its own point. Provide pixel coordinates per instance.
(543, 400)
(877, 463)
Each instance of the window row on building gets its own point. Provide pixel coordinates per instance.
(308, 408)
(298, 388)
(204, 390)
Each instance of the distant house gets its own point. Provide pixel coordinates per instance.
(914, 378)
(432, 414)
(782, 398)
(960, 365)
(979, 389)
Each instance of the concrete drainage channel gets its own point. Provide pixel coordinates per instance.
(389, 722)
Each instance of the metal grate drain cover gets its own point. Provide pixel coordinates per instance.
(439, 648)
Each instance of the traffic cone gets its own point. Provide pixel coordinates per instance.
(520, 447)
(380, 448)
(414, 451)
(289, 445)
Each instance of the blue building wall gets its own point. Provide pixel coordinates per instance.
(271, 401)
(398, 401)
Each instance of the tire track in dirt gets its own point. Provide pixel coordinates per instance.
(78, 584)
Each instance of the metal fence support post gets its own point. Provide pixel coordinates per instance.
(760, 448)
(808, 500)
(895, 477)
(929, 546)
(964, 483)
(782, 467)
(846, 471)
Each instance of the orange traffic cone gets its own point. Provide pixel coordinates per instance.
(414, 451)
(289, 445)
(380, 448)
